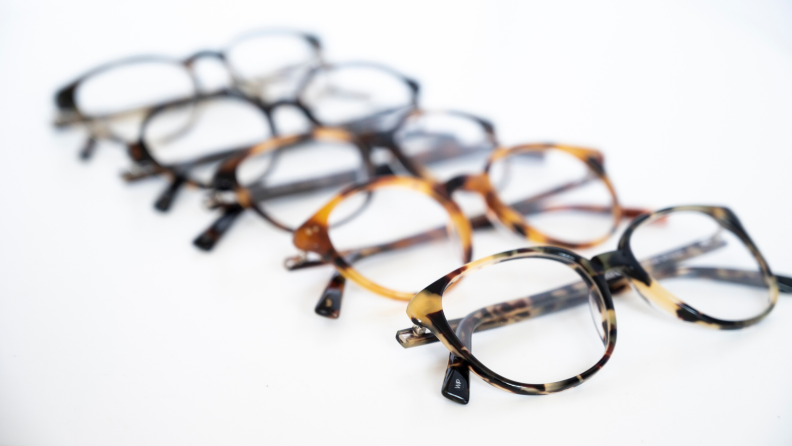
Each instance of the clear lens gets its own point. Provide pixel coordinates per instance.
(207, 130)
(448, 144)
(123, 93)
(703, 264)
(558, 194)
(270, 64)
(290, 184)
(344, 94)
(391, 214)
(546, 318)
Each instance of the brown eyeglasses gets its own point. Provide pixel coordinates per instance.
(287, 178)
(547, 193)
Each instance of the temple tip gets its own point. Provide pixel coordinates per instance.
(455, 385)
(205, 241)
(329, 304)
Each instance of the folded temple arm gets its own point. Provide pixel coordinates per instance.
(663, 266)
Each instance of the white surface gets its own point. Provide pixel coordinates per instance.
(114, 330)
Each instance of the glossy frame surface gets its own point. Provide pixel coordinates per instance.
(313, 237)
(611, 272)
(368, 137)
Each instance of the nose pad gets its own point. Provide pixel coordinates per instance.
(290, 120)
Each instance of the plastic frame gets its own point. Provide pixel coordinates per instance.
(313, 237)
(368, 137)
(609, 272)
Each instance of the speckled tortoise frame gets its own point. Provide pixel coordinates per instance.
(362, 133)
(70, 113)
(313, 237)
(606, 273)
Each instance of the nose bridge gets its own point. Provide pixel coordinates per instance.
(205, 54)
(620, 261)
(209, 77)
(468, 183)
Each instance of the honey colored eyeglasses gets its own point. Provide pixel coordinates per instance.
(546, 193)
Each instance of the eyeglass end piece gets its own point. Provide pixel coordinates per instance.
(456, 383)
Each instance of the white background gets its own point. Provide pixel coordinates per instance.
(114, 330)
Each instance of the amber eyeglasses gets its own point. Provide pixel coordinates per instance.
(696, 263)
(546, 193)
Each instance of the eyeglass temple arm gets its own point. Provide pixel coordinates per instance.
(68, 118)
(456, 380)
(530, 205)
(165, 200)
(209, 238)
(477, 222)
(661, 262)
(260, 192)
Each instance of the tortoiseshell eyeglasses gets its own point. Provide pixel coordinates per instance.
(546, 193)
(697, 264)
(111, 101)
(288, 178)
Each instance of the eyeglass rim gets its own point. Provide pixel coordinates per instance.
(425, 310)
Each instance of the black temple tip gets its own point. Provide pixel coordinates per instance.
(456, 384)
(329, 304)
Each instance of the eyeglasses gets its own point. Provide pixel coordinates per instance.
(699, 265)
(556, 194)
(287, 178)
(112, 99)
(186, 140)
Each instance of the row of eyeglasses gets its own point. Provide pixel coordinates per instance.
(343, 156)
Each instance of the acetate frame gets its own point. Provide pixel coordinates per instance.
(243, 197)
(313, 237)
(610, 272)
